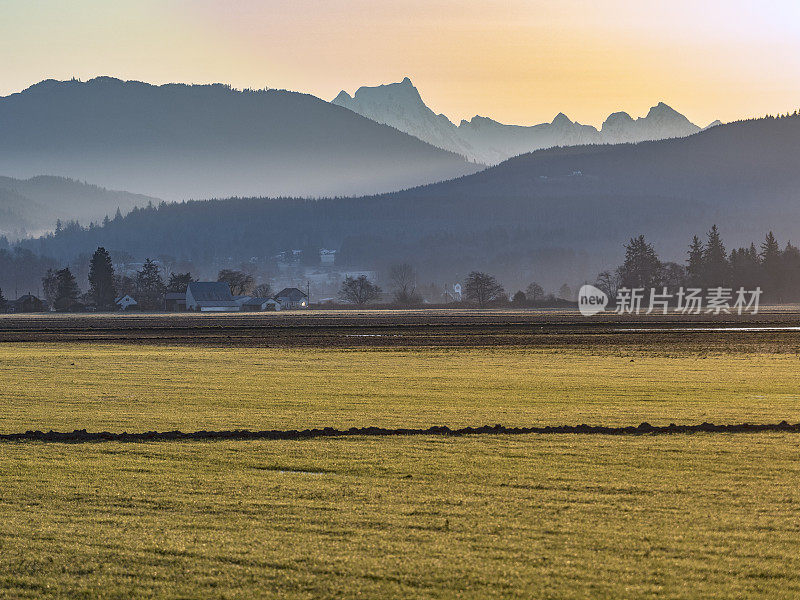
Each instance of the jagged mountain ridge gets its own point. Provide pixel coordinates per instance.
(487, 141)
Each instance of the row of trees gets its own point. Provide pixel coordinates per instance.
(776, 271)
(146, 286)
(61, 289)
(479, 288)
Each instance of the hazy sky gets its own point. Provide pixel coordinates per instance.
(519, 61)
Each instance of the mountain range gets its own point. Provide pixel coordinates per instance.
(486, 141)
(181, 141)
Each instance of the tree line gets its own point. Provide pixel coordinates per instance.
(774, 269)
(769, 265)
(147, 286)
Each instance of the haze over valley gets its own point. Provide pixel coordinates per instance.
(559, 215)
(178, 142)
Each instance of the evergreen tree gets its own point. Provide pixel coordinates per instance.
(150, 286)
(124, 285)
(771, 267)
(790, 272)
(3, 303)
(673, 276)
(695, 265)
(642, 268)
(101, 280)
(716, 268)
(745, 268)
(66, 290)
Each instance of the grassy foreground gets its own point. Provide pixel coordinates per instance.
(697, 516)
(559, 516)
(150, 387)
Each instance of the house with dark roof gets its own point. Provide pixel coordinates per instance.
(26, 304)
(210, 296)
(291, 298)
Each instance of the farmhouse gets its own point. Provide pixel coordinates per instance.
(289, 298)
(210, 296)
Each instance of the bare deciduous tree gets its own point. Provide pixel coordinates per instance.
(178, 282)
(404, 284)
(535, 292)
(239, 281)
(609, 282)
(359, 290)
(482, 288)
(263, 290)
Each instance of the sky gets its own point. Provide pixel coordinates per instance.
(517, 61)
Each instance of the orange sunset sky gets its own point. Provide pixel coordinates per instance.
(514, 60)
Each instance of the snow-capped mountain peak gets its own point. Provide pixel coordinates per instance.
(484, 140)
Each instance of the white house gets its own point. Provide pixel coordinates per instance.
(210, 296)
(125, 302)
(291, 298)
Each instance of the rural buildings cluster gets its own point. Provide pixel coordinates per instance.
(200, 296)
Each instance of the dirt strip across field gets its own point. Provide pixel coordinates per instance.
(83, 436)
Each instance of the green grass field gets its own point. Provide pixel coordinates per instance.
(559, 516)
(144, 387)
(550, 516)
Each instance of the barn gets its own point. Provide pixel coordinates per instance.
(210, 296)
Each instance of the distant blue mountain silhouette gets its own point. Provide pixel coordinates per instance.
(179, 141)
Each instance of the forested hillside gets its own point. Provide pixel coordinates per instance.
(33, 206)
(552, 212)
